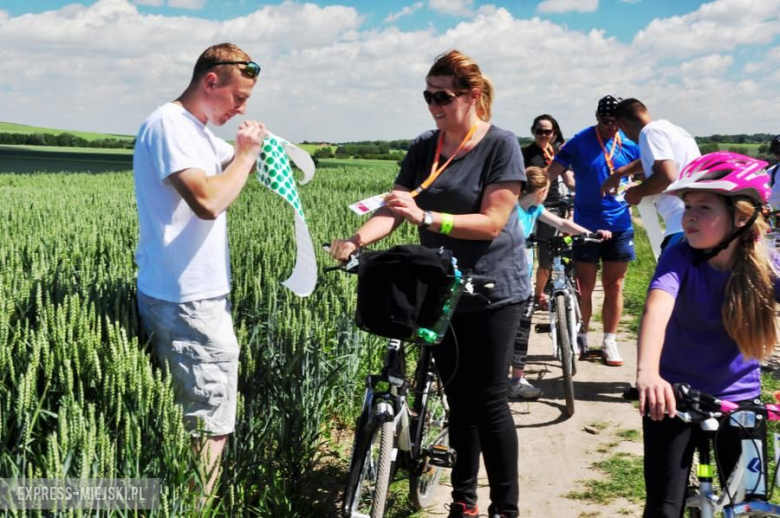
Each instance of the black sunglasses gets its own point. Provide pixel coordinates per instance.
(543, 132)
(250, 69)
(440, 98)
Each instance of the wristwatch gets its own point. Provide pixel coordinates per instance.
(427, 219)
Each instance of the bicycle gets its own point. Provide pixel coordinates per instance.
(564, 307)
(391, 432)
(744, 493)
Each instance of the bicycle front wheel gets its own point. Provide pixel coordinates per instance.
(564, 347)
(369, 474)
(430, 431)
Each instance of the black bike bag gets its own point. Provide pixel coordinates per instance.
(402, 288)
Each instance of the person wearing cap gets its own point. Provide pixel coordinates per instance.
(664, 150)
(774, 181)
(594, 154)
(185, 179)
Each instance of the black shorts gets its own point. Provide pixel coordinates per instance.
(618, 249)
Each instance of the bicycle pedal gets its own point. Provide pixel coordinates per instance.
(441, 455)
(591, 353)
(543, 328)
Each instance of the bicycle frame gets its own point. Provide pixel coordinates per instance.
(749, 475)
(561, 285)
(385, 400)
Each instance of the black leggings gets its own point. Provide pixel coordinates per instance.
(480, 420)
(520, 355)
(669, 447)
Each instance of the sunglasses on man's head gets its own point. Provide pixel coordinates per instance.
(250, 68)
(440, 98)
(543, 132)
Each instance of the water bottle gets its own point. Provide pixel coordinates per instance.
(435, 334)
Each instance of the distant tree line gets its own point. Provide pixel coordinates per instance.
(367, 149)
(63, 140)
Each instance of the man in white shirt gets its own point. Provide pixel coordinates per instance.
(185, 179)
(774, 173)
(664, 149)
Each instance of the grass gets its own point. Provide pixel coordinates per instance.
(624, 480)
(9, 127)
(35, 159)
(335, 162)
(752, 149)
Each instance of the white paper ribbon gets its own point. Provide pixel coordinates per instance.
(274, 171)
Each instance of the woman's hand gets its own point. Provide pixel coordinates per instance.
(656, 395)
(402, 204)
(341, 249)
(604, 234)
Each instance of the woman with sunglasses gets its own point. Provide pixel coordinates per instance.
(459, 185)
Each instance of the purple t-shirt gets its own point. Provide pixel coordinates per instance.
(697, 350)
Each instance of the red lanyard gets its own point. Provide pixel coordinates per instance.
(549, 154)
(435, 170)
(616, 142)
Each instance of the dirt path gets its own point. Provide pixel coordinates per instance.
(556, 452)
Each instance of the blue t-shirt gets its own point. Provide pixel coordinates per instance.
(527, 221)
(459, 190)
(584, 155)
(697, 350)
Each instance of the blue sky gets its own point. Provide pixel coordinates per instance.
(353, 70)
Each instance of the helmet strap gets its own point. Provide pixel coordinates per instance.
(700, 256)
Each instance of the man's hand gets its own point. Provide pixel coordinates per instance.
(633, 195)
(611, 184)
(249, 139)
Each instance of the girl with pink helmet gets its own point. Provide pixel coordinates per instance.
(709, 317)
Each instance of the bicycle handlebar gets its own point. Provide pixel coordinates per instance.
(585, 237)
(473, 284)
(696, 406)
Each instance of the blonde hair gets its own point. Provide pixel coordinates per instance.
(466, 76)
(215, 54)
(535, 180)
(749, 304)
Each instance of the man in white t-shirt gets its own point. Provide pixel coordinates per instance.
(664, 149)
(774, 173)
(185, 179)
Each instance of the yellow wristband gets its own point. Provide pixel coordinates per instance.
(447, 222)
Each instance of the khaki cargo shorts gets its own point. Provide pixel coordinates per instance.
(197, 342)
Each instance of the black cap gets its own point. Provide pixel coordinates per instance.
(607, 106)
(774, 146)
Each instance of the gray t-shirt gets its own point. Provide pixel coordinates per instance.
(496, 158)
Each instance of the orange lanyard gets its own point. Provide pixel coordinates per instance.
(549, 154)
(616, 142)
(435, 169)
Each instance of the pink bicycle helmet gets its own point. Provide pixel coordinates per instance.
(722, 172)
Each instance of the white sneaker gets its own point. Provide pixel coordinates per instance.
(523, 390)
(611, 354)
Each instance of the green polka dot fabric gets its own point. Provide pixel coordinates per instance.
(274, 171)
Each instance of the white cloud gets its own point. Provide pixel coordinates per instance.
(567, 6)
(327, 77)
(452, 7)
(187, 4)
(409, 9)
(153, 3)
(712, 65)
(715, 27)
